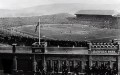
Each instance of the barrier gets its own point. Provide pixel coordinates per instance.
(104, 48)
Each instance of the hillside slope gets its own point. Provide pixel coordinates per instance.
(70, 8)
(46, 19)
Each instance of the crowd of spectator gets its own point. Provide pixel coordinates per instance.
(19, 40)
(28, 41)
(61, 43)
(103, 69)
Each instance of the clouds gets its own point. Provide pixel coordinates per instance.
(16, 4)
(87, 1)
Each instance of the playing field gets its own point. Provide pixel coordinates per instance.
(74, 32)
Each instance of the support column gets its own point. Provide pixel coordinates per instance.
(44, 65)
(14, 70)
(34, 64)
(110, 63)
(118, 57)
(118, 64)
(14, 65)
(90, 56)
(83, 65)
(14, 48)
(90, 60)
(89, 47)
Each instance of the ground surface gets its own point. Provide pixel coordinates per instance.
(74, 32)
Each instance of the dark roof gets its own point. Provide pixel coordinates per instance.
(97, 12)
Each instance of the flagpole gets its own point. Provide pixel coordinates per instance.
(39, 31)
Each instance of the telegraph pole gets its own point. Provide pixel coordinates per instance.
(39, 31)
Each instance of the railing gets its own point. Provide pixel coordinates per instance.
(104, 48)
(67, 50)
(5, 49)
(19, 49)
(94, 48)
(49, 50)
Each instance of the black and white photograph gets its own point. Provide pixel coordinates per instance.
(59, 37)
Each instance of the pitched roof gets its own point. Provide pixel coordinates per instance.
(98, 12)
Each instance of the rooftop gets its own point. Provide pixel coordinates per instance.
(98, 12)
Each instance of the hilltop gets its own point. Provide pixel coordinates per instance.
(50, 9)
(45, 19)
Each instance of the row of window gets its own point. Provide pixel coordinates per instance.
(111, 63)
(105, 46)
(70, 65)
(59, 65)
(104, 51)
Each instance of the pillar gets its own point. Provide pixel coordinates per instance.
(34, 63)
(83, 66)
(14, 65)
(118, 57)
(44, 64)
(118, 64)
(90, 56)
(45, 45)
(90, 60)
(89, 47)
(14, 70)
(14, 48)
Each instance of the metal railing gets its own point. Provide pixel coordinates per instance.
(95, 49)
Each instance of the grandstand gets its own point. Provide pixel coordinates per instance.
(99, 18)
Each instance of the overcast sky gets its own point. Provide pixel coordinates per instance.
(17, 4)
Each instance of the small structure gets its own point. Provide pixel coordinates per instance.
(36, 48)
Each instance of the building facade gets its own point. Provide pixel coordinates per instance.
(53, 60)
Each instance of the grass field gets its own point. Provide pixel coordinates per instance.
(74, 32)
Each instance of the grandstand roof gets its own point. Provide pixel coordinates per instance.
(97, 12)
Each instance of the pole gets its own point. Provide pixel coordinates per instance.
(39, 31)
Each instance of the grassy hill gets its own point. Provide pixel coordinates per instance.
(46, 19)
(61, 18)
(50, 9)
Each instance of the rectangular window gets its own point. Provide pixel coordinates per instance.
(78, 66)
(113, 64)
(86, 65)
(96, 63)
(71, 65)
(55, 65)
(104, 62)
(39, 65)
(49, 66)
(62, 63)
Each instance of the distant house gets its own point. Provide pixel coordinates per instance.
(99, 18)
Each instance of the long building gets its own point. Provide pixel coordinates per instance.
(30, 60)
(99, 18)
